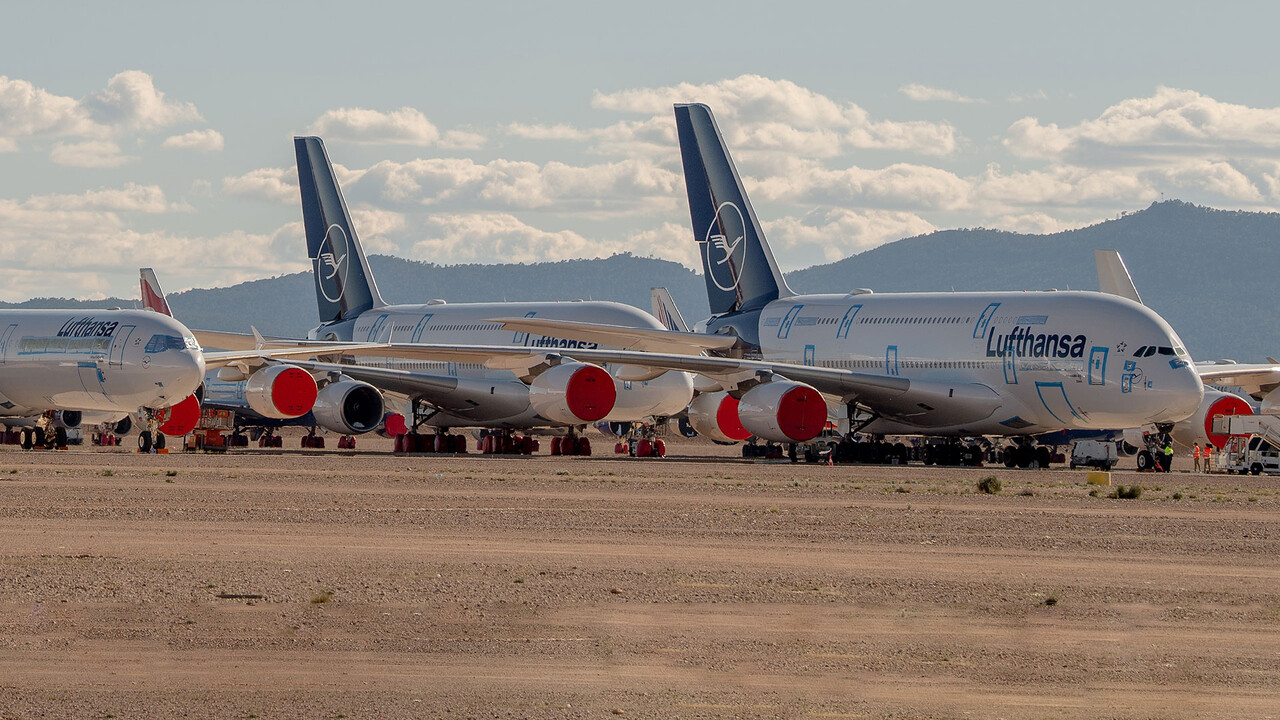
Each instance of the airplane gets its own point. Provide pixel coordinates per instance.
(280, 396)
(548, 390)
(940, 364)
(58, 367)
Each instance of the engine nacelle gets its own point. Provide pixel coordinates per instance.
(715, 415)
(348, 406)
(180, 419)
(573, 393)
(1199, 427)
(783, 411)
(67, 419)
(281, 392)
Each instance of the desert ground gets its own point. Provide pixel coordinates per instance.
(332, 584)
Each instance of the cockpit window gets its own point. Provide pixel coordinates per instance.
(1180, 351)
(1139, 351)
(1151, 350)
(1166, 351)
(160, 343)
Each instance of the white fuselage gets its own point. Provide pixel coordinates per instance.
(1055, 359)
(465, 324)
(109, 361)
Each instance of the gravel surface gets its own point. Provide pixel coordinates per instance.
(368, 585)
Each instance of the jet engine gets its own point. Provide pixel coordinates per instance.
(1199, 427)
(67, 419)
(715, 415)
(281, 391)
(180, 419)
(783, 411)
(573, 393)
(348, 406)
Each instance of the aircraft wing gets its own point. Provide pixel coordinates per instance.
(620, 336)
(405, 382)
(918, 402)
(1256, 379)
(217, 359)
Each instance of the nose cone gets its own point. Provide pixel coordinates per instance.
(1181, 393)
(188, 370)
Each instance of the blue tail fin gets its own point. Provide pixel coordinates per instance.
(344, 283)
(740, 271)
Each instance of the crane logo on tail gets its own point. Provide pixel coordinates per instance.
(723, 251)
(331, 263)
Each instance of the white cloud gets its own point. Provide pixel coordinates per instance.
(824, 236)
(29, 111)
(497, 237)
(97, 250)
(1168, 125)
(274, 184)
(130, 198)
(796, 118)
(462, 140)
(924, 93)
(406, 126)
(132, 101)
(901, 185)
(203, 140)
(89, 154)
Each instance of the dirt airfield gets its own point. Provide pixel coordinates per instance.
(367, 585)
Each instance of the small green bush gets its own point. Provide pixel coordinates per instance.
(990, 485)
(1127, 492)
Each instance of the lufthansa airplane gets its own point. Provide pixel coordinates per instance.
(543, 388)
(280, 395)
(937, 364)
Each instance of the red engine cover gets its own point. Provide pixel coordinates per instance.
(590, 393)
(181, 418)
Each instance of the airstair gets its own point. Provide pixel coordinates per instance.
(1253, 444)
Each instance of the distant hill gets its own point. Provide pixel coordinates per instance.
(1208, 272)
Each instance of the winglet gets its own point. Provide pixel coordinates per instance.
(259, 342)
(152, 296)
(1113, 276)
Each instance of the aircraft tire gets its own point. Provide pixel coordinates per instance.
(26, 439)
(60, 437)
(144, 441)
(37, 436)
(159, 441)
(1146, 461)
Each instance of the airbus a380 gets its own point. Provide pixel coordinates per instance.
(540, 388)
(938, 364)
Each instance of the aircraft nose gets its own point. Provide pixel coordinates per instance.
(191, 366)
(1183, 393)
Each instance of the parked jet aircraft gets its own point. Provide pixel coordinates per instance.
(281, 395)
(57, 365)
(549, 390)
(939, 364)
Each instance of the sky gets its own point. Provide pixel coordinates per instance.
(158, 134)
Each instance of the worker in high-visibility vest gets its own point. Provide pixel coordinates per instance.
(1208, 453)
(1195, 455)
(1168, 458)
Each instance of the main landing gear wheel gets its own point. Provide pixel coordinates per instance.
(144, 441)
(1146, 461)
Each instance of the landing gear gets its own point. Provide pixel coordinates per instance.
(640, 439)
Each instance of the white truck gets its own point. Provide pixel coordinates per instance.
(1253, 445)
(1100, 454)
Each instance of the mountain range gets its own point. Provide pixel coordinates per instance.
(1206, 271)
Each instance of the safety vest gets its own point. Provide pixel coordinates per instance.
(1196, 452)
(1168, 449)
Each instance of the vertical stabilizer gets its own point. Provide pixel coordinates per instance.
(152, 296)
(740, 271)
(1113, 276)
(344, 284)
(665, 310)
